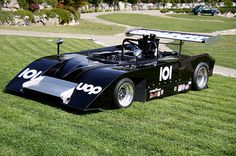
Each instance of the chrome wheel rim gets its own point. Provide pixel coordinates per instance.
(202, 77)
(125, 94)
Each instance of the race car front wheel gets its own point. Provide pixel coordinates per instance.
(124, 93)
(200, 76)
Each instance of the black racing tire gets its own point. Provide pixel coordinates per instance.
(199, 13)
(123, 93)
(200, 76)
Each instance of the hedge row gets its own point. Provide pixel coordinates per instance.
(184, 10)
(226, 10)
(93, 10)
(64, 16)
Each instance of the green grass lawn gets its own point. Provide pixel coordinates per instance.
(203, 17)
(195, 123)
(223, 50)
(85, 27)
(147, 21)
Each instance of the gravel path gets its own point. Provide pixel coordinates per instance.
(116, 39)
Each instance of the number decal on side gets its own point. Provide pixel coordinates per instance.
(165, 73)
(88, 88)
(29, 73)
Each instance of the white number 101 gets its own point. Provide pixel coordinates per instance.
(165, 73)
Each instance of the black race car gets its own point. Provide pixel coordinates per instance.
(114, 77)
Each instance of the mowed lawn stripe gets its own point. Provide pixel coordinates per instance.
(72, 46)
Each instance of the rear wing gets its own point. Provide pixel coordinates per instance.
(171, 35)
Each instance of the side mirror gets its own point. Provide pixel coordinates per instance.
(59, 42)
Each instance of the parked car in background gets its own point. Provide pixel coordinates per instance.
(202, 9)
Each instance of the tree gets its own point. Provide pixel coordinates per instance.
(133, 1)
(95, 2)
(113, 3)
(24, 4)
(228, 3)
(1, 3)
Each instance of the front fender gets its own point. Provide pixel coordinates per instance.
(33, 70)
(83, 97)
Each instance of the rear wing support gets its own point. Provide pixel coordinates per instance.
(180, 46)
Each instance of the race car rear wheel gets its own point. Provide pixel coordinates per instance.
(124, 93)
(200, 76)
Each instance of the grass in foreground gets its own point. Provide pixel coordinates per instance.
(223, 50)
(147, 21)
(85, 27)
(203, 17)
(195, 123)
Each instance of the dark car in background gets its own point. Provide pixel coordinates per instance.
(202, 9)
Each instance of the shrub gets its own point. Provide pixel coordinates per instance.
(74, 12)
(6, 16)
(23, 4)
(36, 1)
(187, 10)
(91, 10)
(87, 10)
(184, 10)
(47, 12)
(233, 10)
(51, 2)
(229, 3)
(98, 10)
(164, 10)
(23, 13)
(64, 15)
(1, 2)
(153, 8)
(108, 10)
(227, 9)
